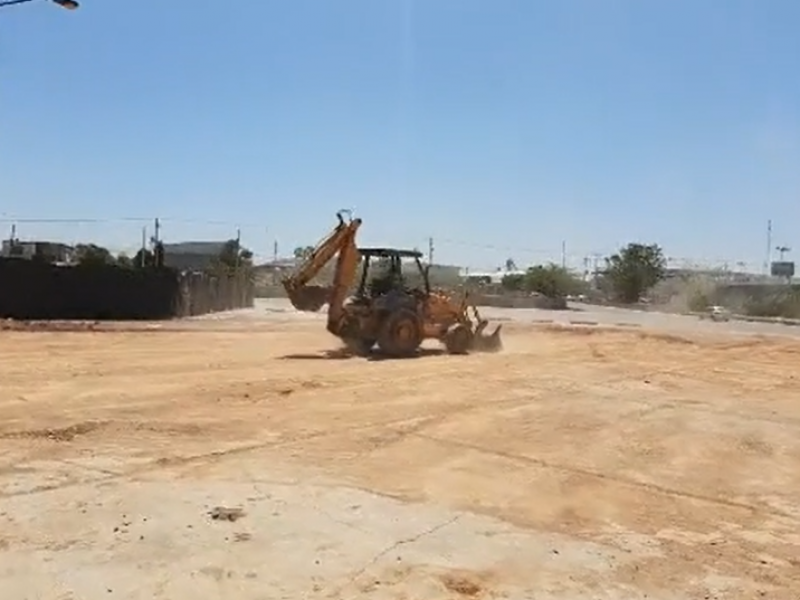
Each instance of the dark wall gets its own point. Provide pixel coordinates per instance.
(202, 293)
(31, 290)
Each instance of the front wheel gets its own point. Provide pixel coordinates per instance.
(400, 333)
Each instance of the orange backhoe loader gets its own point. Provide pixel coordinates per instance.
(384, 311)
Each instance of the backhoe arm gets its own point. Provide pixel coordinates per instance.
(311, 298)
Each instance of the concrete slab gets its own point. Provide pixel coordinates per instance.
(299, 538)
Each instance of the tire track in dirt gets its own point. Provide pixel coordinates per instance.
(758, 509)
(320, 384)
(214, 455)
(418, 424)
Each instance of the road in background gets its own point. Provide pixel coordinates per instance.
(578, 313)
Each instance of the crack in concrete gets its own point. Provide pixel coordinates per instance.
(401, 542)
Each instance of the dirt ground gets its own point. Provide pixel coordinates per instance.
(577, 463)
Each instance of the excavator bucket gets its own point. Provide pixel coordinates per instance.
(309, 298)
(486, 343)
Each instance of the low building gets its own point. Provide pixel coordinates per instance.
(54, 252)
(489, 277)
(192, 256)
(271, 273)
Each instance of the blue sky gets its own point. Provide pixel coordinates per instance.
(498, 127)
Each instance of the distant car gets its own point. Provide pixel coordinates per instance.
(719, 313)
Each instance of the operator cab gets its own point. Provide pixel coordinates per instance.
(382, 272)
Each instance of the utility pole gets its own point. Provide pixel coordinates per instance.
(430, 250)
(238, 245)
(12, 241)
(144, 247)
(564, 254)
(596, 266)
(275, 251)
(769, 247)
(157, 234)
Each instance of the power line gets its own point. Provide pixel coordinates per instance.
(7, 219)
(493, 246)
(11, 219)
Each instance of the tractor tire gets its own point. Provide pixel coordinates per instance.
(458, 339)
(400, 333)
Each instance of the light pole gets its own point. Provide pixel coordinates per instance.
(783, 250)
(68, 4)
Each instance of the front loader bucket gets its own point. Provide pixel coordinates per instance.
(309, 298)
(486, 343)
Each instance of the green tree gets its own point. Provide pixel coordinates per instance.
(552, 281)
(303, 252)
(549, 280)
(233, 256)
(513, 282)
(123, 260)
(143, 258)
(93, 255)
(634, 270)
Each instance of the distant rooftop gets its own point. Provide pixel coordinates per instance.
(204, 248)
(493, 276)
(279, 263)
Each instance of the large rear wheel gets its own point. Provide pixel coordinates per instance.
(400, 333)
